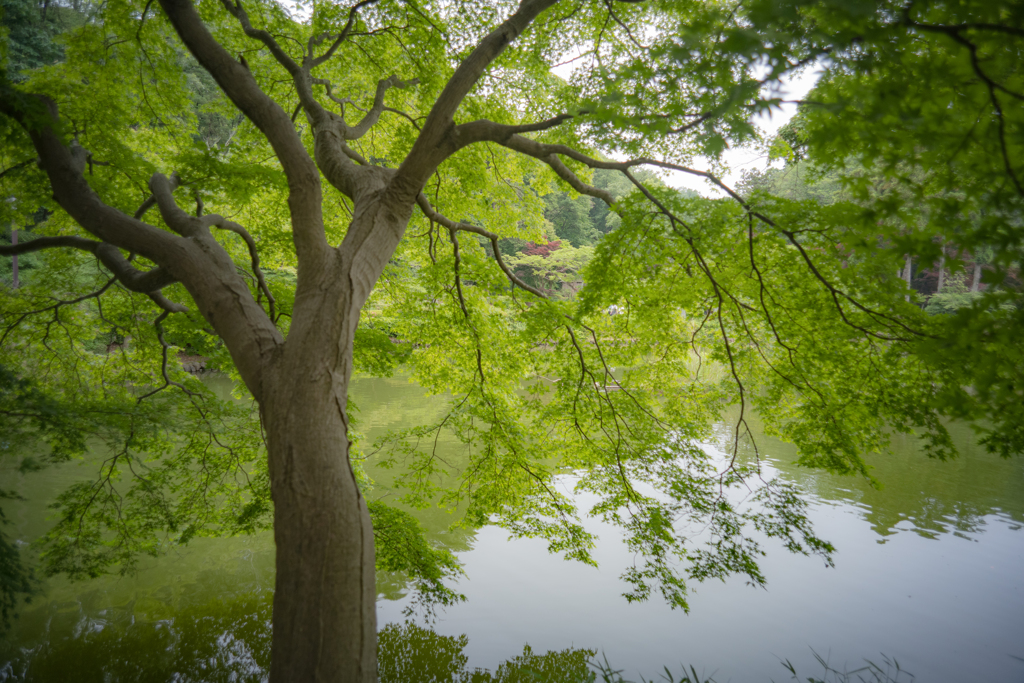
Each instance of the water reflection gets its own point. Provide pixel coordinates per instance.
(229, 640)
(928, 570)
(915, 493)
(409, 653)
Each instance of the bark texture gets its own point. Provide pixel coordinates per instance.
(324, 624)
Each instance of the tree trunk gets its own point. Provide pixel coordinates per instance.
(907, 271)
(325, 625)
(325, 613)
(942, 271)
(14, 260)
(977, 277)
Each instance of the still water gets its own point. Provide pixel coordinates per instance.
(929, 571)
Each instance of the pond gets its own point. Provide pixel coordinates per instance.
(928, 573)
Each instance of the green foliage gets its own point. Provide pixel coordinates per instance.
(411, 653)
(402, 547)
(26, 262)
(558, 273)
(17, 581)
(28, 32)
(912, 141)
(33, 418)
(798, 181)
(952, 298)
(939, 122)
(570, 218)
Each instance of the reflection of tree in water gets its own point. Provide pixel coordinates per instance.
(936, 497)
(398, 585)
(387, 405)
(230, 641)
(413, 654)
(218, 641)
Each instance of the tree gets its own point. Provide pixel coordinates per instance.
(455, 109)
(551, 267)
(30, 35)
(571, 218)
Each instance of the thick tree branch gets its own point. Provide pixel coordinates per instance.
(224, 224)
(304, 199)
(64, 164)
(177, 219)
(146, 282)
(483, 129)
(163, 302)
(331, 134)
(144, 207)
(198, 262)
(574, 182)
(40, 243)
(370, 119)
(434, 143)
(545, 152)
(486, 130)
(329, 129)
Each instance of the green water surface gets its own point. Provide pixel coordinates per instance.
(929, 570)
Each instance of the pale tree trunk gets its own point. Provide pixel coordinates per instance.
(942, 271)
(325, 626)
(14, 261)
(325, 623)
(977, 277)
(907, 271)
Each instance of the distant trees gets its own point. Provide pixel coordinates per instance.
(954, 272)
(574, 224)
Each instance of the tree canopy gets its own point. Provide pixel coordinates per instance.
(351, 173)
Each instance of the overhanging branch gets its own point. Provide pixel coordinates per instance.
(11, 169)
(146, 282)
(458, 226)
(433, 144)
(64, 165)
(41, 243)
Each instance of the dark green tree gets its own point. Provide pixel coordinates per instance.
(570, 218)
